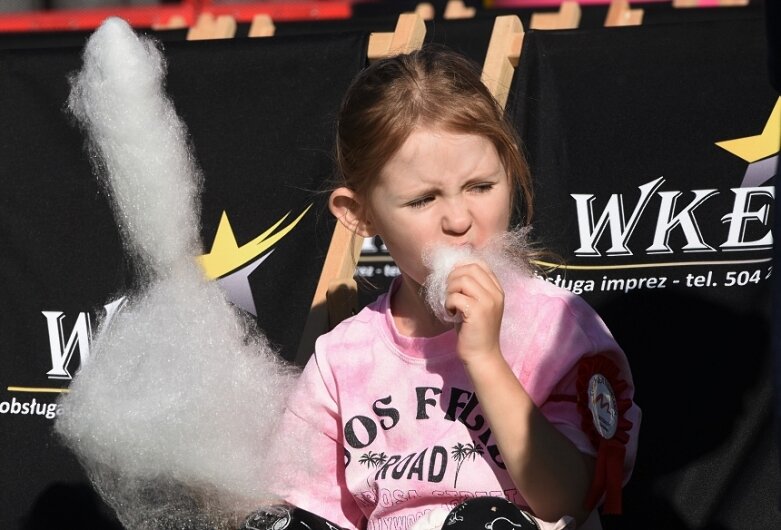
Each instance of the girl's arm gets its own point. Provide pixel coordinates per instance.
(549, 471)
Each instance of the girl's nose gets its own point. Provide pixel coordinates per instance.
(456, 218)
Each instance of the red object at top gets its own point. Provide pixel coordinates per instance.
(282, 11)
(183, 14)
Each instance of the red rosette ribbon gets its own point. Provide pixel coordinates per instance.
(602, 403)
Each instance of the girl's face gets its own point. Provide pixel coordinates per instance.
(439, 188)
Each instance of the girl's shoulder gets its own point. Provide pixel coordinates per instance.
(563, 327)
(357, 329)
(546, 298)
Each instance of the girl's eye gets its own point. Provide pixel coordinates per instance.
(420, 203)
(482, 188)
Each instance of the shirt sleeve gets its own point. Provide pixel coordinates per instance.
(561, 410)
(312, 465)
(574, 348)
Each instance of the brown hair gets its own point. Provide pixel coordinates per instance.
(433, 86)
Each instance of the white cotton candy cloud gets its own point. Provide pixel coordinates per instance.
(139, 143)
(174, 414)
(506, 255)
(440, 262)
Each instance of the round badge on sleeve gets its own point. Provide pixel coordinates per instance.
(602, 404)
(604, 398)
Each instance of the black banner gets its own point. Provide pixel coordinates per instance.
(654, 152)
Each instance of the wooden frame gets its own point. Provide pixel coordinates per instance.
(455, 9)
(502, 56)
(408, 35)
(262, 26)
(567, 17)
(210, 27)
(621, 14)
(425, 10)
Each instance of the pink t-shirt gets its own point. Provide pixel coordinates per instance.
(395, 429)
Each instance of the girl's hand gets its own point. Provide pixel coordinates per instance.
(474, 292)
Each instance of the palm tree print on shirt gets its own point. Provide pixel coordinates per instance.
(372, 459)
(461, 452)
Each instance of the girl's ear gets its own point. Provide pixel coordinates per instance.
(346, 206)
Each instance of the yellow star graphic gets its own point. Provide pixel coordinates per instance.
(226, 255)
(763, 145)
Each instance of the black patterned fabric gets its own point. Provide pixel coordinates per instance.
(491, 513)
(286, 518)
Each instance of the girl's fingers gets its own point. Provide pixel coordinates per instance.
(457, 303)
(473, 289)
(490, 273)
(475, 280)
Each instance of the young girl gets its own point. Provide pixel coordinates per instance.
(519, 404)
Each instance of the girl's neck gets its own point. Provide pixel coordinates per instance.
(411, 314)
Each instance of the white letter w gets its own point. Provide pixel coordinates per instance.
(62, 351)
(612, 216)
